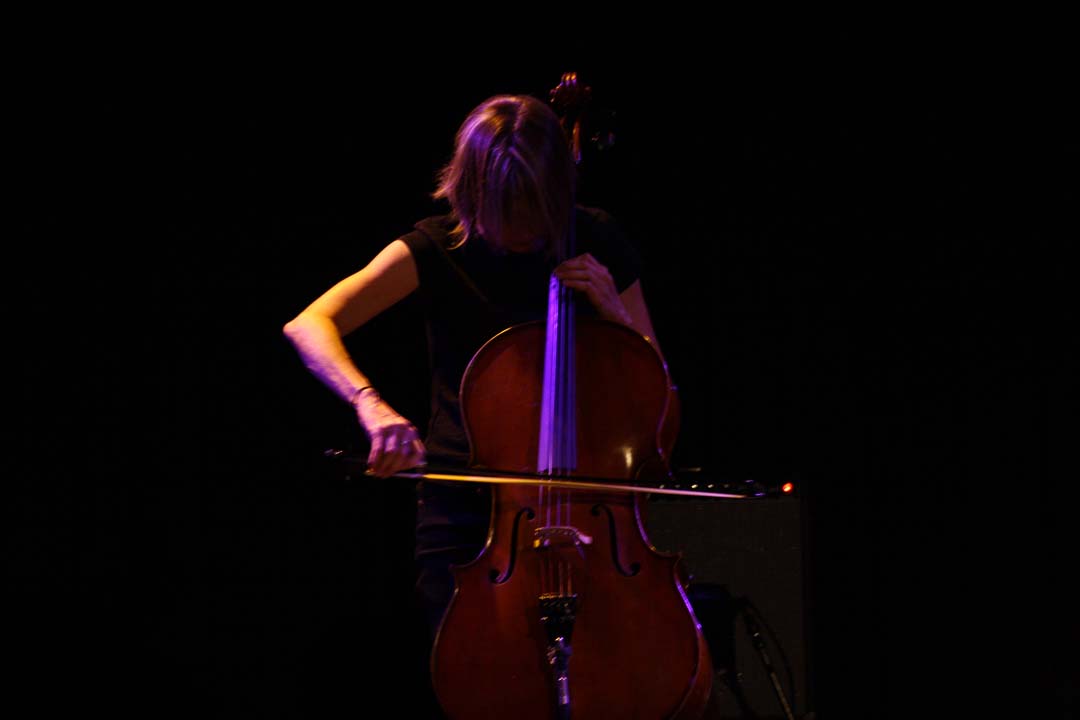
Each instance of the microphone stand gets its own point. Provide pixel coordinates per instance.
(754, 630)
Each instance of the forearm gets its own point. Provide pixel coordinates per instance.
(633, 304)
(322, 350)
(317, 332)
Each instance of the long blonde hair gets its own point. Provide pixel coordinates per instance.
(511, 165)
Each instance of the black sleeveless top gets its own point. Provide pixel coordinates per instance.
(470, 293)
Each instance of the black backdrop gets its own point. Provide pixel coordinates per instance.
(860, 280)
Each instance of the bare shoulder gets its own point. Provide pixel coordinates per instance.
(395, 257)
(388, 278)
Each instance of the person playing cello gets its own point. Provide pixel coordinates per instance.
(480, 268)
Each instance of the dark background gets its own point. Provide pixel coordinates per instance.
(859, 273)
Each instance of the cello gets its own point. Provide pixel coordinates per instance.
(569, 611)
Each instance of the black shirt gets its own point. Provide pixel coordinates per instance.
(471, 293)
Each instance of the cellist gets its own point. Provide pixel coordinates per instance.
(482, 266)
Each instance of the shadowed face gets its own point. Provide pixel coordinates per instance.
(523, 236)
(512, 178)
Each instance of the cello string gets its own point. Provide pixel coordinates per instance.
(546, 458)
(570, 313)
(564, 377)
(569, 426)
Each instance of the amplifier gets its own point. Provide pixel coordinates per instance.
(747, 569)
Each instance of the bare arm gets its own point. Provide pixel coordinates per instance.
(634, 301)
(317, 334)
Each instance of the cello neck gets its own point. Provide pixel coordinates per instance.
(557, 449)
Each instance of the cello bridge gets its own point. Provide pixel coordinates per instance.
(559, 535)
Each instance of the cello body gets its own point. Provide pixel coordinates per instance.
(569, 611)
